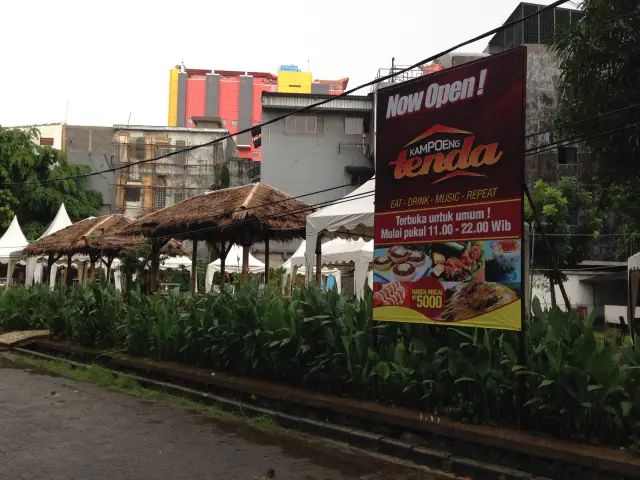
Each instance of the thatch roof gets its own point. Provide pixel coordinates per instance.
(115, 242)
(233, 214)
(94, 235)
(73, 239)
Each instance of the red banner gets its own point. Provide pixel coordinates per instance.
(449, 177)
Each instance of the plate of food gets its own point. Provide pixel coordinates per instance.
(469, 300)
(458, 261)
(401, 264)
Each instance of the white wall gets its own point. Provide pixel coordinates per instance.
(51, 131)
(580, 294)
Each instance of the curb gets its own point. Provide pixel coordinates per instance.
(436, 462)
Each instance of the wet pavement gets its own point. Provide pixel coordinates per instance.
(56, 428)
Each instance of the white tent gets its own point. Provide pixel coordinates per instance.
(11, 245)
(233, 264)
(341, 251)
(175, 263)
(633, 285)
(60, 221)
(34, 266)
(351, 215)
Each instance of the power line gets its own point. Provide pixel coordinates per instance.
(256, 128)
(590, 119)
(554, 145)
(331, 202)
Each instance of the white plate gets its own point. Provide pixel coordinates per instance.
(389, 276)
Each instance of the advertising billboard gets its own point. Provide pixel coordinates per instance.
(449, 192)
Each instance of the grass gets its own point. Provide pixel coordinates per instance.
(97, 375)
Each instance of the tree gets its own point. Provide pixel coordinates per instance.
(569, 217)
(600, 67)
(36, 203)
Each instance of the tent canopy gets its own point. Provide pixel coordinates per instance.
(352, 214)
(60, 221)
(12, 242)
(340, 251)
(633, 286)
(233, 264)
(175, 262)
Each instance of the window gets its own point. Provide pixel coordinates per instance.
(177, 197)
(160, 199)
(132, 194)
(141, 150)
(254, 154)
(300, 124)
(567, 156)
(353, 126)
(46, 142)
(180, 158)
(234, 123)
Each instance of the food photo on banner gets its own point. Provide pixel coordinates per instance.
(449, 192)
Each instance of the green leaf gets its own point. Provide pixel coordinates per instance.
(626, 408)
(546, 383)
(464, 379)
(591, 388)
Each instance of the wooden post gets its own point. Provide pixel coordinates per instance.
(109, 262)
(266, 258)
(155, 265)
(319, 260)
(245, 264)
(68, 279)
(194, 266)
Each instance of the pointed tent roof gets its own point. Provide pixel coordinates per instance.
(233, 262)
(13, 241)
(60, 221)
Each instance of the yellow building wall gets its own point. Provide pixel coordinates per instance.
(173, 97)
(294, 82)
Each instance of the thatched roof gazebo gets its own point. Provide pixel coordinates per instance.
(239, 215)
(96, 237)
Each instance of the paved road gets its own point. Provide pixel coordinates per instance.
(56, 428)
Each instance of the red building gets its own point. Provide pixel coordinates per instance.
(233, 96)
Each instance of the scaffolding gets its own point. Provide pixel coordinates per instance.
(146, 187)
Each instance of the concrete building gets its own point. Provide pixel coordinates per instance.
(150, 186)
(234, 96)
(85, 145)
(328, 147)
(538, 30)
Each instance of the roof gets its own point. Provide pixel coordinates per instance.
(232, 214)
(60, 221)
(95, 234)
(156, 128)
(13, 240)
(73, 239)
(290, 101)
(266, 93)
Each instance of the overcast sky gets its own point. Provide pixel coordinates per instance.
(111, 59)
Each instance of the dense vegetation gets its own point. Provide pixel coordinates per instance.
(599, 68)
(578, 386)
(24, 165)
